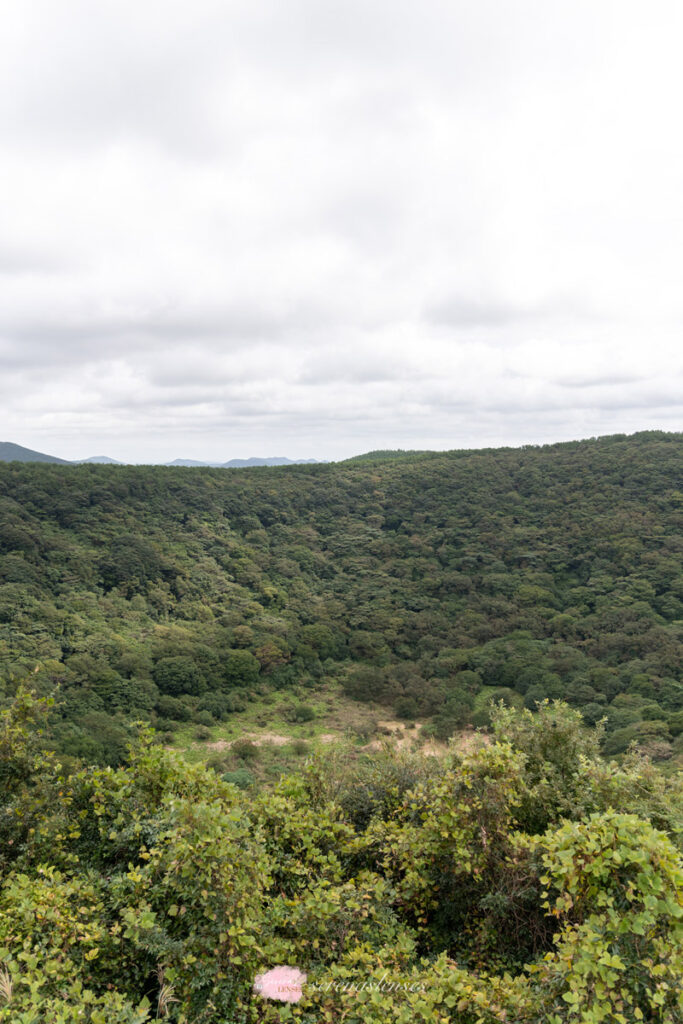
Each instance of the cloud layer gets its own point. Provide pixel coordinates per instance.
(304, 228)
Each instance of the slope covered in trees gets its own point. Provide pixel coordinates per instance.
(429, 583)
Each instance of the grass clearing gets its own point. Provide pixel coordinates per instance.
(266, 740)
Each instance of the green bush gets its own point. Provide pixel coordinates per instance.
(241, 778)
(174, 708)
(204, 718)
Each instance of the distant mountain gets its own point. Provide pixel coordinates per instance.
(10, 452)
(102, 460)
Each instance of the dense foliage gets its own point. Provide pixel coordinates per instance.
(408, 889)
(426, 582)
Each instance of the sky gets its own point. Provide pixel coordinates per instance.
(314, 228)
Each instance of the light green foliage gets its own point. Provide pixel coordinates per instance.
(157, 891)
(21, 753)
(557, 747)
(635, 785)
(195, 903)
(74, 1005)
(325, 921)
(449, 827)
(304, 836)
(616, 887)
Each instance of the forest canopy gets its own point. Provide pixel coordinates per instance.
(431, 583)
(531, 874)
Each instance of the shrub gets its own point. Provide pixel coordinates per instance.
(616, 887)
(173, 708)
(303, 713)
(675, 723)
(241, 778)
(204, 718)
(245, 750)
(406, 707)
(240, 668)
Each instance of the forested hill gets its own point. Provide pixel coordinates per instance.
(422, 582)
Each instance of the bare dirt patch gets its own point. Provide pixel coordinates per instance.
(467, 741)
(396, 733)
(400, 735)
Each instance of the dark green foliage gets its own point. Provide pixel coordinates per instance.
(420, 581)
(240, 668)
(220, 705)
(130, 562)
(406, 707)
(173, 707)
(652, 736)
(675, 723)
(204, 718)
(178, 675)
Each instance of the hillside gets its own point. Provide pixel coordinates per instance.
(427, 584)
(386, 453)
(275, 460)
(10, 452)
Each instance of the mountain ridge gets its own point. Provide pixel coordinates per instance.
(11, 452)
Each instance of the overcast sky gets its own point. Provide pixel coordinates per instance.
(313, 228)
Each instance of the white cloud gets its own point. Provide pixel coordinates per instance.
(314, 228)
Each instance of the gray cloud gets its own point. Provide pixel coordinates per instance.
(464, 313)
(234, 228)
(472, 311)
(15, 260)
(602, 380)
